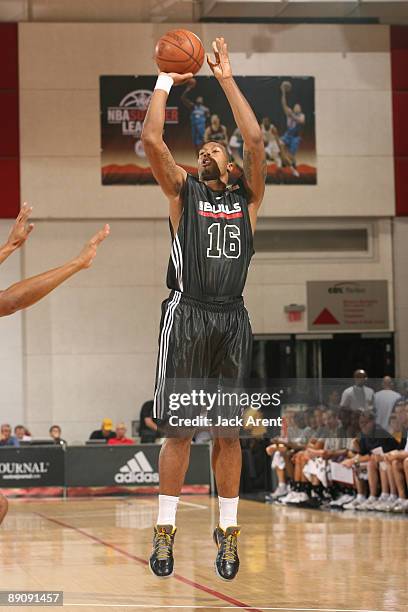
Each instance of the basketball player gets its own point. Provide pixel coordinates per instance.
(271, 141)
(205, 329)
(275, 149)
(236, 147)
(295, 119)
(199, 114)
(29, 291)
(216, 132)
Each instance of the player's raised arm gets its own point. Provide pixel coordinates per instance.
(31, 290)
(254, 151)
(168, 174)
(186, 101)
(289, 112)
(286, 109)
(18, 233)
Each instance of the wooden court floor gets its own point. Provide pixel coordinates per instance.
(95, 550)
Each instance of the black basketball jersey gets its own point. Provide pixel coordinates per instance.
(212, 249)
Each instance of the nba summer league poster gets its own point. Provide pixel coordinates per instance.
(198, 112)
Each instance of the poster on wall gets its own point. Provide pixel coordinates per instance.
(199, 112)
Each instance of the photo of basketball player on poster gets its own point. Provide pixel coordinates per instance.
(196, 113)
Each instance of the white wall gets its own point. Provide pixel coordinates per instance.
(278, 281)
(400, 227)
(11, 343)
(60, 65)
(90, 347)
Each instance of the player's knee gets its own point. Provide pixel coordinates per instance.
(180, 443)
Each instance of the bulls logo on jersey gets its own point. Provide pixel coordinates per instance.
(220, 211)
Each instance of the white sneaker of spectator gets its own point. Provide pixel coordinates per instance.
(381, 502)
(390, 503)
(343, 499)
(401, 505)
(298, 498)
(355, 502)
(281, 490)
(367, 504)
(288, 497)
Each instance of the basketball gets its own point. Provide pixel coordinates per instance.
(179, 51)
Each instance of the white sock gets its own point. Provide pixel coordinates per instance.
(167, 510)
(228, 511)
(360, 497)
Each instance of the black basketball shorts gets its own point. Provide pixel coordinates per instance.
(201, 343)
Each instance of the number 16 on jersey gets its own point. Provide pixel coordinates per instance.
(224, 241)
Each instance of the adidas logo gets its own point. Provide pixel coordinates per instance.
(137, 470)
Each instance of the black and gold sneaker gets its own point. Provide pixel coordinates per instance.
(227, 561)
(161, 561)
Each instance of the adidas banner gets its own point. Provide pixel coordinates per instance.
(128, 466)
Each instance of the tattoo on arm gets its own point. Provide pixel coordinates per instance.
(248, 166)
(169, 169)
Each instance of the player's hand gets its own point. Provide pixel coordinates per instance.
(179, 79)
(221, 68)
(21, 229)
(88, 253)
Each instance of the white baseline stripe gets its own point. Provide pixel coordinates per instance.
(196, 607)
(183, 503)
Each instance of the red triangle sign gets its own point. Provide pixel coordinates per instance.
(325, 318)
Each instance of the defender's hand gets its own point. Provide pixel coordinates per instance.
(221, 68)
(88, 253)
(179, 79)
(20, 230)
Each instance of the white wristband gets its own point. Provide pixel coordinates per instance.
(165, 82)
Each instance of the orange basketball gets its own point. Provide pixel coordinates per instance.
(179, 51)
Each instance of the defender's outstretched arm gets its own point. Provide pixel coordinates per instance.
(254, 151)
(31, 290)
